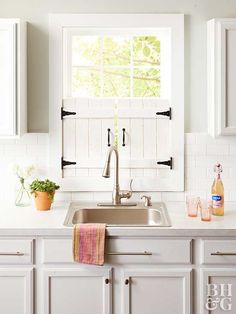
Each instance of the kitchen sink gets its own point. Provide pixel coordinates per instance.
(117, 216)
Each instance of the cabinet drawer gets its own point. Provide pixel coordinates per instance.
(137, 250)
(219, 252)
(125, 250)
(16, 251)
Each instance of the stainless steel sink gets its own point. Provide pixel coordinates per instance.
(115, 216)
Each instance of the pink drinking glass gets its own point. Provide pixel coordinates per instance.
(206, 209)
(192, 203)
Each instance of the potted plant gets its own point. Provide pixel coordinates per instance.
(43, 192)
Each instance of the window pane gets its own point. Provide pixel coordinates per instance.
(86, 50)
(146, 82)
(116, 82)
(146, 50)
(116, 50)
(86, 82)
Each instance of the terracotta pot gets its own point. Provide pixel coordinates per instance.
(42, 200)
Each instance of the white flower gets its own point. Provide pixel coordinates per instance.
(23, 172)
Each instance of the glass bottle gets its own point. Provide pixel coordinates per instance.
(217, 192)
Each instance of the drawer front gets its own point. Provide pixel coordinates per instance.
(16, 251)
(125, 250)
(148, 251)
(218, 252)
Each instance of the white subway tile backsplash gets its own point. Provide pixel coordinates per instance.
(216, 149)
(201, 153)
(232, 149)
(195, 149)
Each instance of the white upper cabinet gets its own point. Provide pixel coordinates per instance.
(117, 79)
(12, 77)
(221, 76)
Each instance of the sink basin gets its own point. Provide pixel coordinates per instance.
(115, 216)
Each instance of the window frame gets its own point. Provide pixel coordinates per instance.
(57, 23)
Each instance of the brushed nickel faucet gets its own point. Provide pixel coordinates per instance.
(117, 194)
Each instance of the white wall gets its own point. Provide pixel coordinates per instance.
(197, 13)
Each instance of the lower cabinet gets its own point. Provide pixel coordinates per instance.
(156, 291)
(74, 291)
(218, 290)
(16, 290)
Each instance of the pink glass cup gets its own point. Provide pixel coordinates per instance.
(192, 203)
(206, 209)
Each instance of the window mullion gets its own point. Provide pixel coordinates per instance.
(102, 66)
(131, 67)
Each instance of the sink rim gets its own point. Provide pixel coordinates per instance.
(157, 206)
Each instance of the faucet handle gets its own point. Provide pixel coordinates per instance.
(147, 201)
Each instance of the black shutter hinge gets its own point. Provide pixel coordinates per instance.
(167, 113)
(66, 113)
(168, 163)
(66, 163)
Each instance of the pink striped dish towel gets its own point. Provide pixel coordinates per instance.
(89, 243)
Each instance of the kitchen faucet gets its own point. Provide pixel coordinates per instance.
(117, 194)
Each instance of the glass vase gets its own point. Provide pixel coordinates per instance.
(22, 195)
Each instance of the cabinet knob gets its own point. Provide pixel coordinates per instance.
(106, 281)
(126, 281)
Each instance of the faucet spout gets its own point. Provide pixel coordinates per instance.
(107, 169)
(117, 194)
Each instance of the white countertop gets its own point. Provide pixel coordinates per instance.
(27, 221)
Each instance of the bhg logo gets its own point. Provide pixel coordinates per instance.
(219, 296)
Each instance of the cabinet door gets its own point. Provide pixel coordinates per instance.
(74, 291)
(16, 286)
(156, 291)
(7, 78)
(218, 291)
(221, 76)
(12, 77)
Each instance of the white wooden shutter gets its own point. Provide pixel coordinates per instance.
(148, 140)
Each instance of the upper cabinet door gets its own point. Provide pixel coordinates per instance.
(221, 76)
(12, 78)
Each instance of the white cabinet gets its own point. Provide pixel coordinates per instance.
(156, 291)
(76, 291)
(221, 76)
(217, 290)
(12, 77)
(16, 286)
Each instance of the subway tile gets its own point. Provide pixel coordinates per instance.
(215, 149)
(82, 196)
(232, 149)
(190, 138)
(195, 150)
(172, 196)
(43, 139)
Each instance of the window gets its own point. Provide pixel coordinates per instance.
(111, 63)
(104, 66)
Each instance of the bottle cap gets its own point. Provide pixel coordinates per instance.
(218, 168)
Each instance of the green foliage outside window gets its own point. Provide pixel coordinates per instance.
(116, 66)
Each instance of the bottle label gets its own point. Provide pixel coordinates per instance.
(217, 201)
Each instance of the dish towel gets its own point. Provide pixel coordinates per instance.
(89, 243)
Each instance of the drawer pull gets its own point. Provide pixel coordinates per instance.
(107, 281)
(126, 282)
(129, 253)
(12, 254)
(223, 254)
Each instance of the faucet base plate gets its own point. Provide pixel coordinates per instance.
(117, 205)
